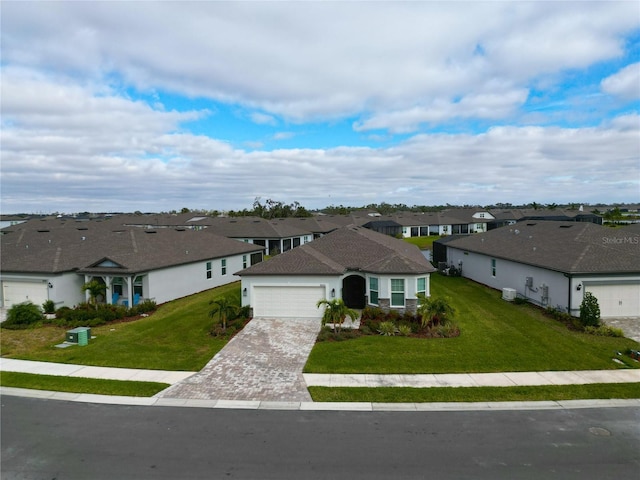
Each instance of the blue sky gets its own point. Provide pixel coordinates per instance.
(155, 106)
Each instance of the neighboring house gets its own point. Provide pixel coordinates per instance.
(356, 264)
(275, 235)
(553, 263)
(386, 227)
(454, 221)
(51, 260)
(512, 216)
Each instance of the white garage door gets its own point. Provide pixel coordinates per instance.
(19, 292)
(289, 301)
(617, 300)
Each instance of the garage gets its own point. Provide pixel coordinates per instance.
(20, 292)
(287, 301)
(621, 300)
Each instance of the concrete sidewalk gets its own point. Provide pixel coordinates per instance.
(107, 373)
(504, 379)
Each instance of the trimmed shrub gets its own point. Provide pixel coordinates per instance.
(589, 310)
(604, 331)
(49, 307)
(387, 329)
(22, 315)
(405, 330)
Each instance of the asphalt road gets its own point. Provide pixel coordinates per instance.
(48, 439)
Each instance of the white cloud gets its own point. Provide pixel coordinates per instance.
(74, 136)
(625, 83)
(140, 160)
(263, 119)
(311, 60)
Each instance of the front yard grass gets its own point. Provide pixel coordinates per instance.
(496, 336)
(81, 385)
(423, 243)
(175, 337)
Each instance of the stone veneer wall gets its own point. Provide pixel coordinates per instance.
(411, 305)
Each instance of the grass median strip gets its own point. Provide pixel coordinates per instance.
(476, 394)
(81, 385)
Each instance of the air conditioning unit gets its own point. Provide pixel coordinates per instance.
(509, 294)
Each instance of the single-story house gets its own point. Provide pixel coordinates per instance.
(356, 264)
(51, 260)
(511, 216)
(453, 221)
(276, 235)
(553, 263)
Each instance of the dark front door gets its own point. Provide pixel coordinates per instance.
(354, 291)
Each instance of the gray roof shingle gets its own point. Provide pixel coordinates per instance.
(348, 248)
(569, 247)
(55, 246)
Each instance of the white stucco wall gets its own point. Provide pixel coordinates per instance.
(66, 288)
(167, 284)
(510, 274)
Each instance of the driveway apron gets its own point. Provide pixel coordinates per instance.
(262, 362)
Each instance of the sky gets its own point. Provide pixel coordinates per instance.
(122, 106)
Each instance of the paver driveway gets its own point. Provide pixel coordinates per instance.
(262, 362)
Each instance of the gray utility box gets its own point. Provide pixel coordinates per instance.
(80, 335)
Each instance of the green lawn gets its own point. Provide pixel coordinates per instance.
(423, 243)
(175, 337)
(81, 385)
(476, 394)
(495, 336)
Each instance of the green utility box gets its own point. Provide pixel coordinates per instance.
(80, 335)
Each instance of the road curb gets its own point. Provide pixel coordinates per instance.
(319, 406)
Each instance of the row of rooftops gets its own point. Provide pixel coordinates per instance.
(139, 242)
(319, 224)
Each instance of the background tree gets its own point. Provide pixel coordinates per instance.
(336, 312)
(95, 289)
(223, 309)
(589, 311)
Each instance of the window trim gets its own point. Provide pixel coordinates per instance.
(493, 267)
(223, 266)
(376, 290)
(396, 292)
(424, 291)
(208, 270)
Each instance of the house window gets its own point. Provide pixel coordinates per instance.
(137, 286)
(422, 286)
(373, 290)
(244, 261)
(493, 267)
(397, 292)
(208, 269)
(223, 265)
(116, 286)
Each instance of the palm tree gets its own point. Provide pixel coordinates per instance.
(336, 312)
(434, 311)
(95, 289)
(223, 309)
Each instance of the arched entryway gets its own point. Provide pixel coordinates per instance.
(354, 291)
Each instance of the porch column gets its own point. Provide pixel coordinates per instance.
(130, 290)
